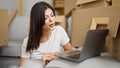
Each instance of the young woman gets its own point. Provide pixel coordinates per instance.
(45, 39)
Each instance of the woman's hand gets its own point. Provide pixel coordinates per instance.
(47, 57)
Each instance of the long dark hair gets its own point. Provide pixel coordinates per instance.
(37, 20)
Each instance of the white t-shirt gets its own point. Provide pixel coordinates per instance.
(57, 39)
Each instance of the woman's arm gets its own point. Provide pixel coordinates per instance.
(67, 47)
(22, 61)
(47, 57)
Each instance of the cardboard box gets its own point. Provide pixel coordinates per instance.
(82, 4)
(116, 47)
(58, 3)
(109, 45)
(69, 5)
(81, 21)
(3, 27)
(100, 22)
(61, 20)
(79, 2)
(115, 2)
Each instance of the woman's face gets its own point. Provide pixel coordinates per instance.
(49, 20)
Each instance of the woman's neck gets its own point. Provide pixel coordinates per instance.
(46, 35)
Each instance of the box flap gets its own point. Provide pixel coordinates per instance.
(12, 16)
(69, 6)
(79, 2)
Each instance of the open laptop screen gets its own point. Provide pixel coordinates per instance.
(92, 47)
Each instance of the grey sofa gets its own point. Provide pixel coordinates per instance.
(18, 30)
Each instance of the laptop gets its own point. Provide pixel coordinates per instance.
(93, 45)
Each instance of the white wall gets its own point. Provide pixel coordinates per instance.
(9, 4)
(29, 3)
(14, 4)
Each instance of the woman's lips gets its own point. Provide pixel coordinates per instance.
(52, 25)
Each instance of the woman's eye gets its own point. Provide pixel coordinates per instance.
(45, 18)
(52, 15)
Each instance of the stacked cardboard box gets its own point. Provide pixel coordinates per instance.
(3, 27)
(114, 41)
(74, 9)
(83, 4)
(82, 20)
(83, 11)
(59, 6)
(69, 5)
(58, 3)
(61, 20)
(116, 2)
(116, 47)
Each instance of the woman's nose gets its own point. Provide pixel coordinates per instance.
(50, 19)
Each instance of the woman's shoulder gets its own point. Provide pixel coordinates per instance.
(25, 39)
(25, 42)
(58, 27)
(58, 30)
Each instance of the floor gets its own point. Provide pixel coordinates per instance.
(9, 62)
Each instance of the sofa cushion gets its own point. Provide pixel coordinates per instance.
(13, 49)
